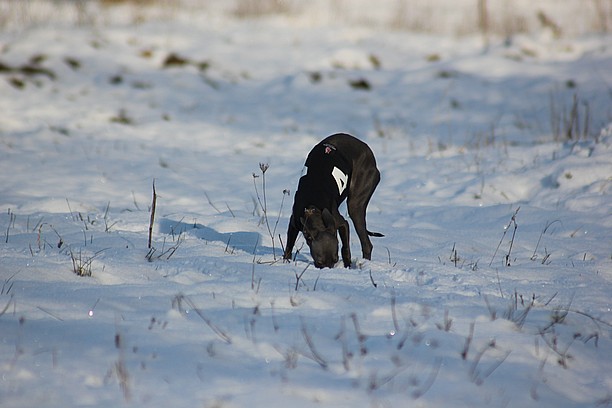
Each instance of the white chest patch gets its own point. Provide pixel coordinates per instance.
(341, 179)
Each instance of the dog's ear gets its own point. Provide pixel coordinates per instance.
(328, 220)
(304, 224)
(307, 213)
(306, 221)
(309, 233)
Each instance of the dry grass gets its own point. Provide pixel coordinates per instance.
(502, 18)
(258, 8)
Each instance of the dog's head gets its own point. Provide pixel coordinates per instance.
(320, 231)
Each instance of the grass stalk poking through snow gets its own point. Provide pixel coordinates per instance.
(506, 228)
(315, 355)
(152, 220)
(534, 256)
(177, 303)
(107, 226)
(263, 203)
(299, 276)
(119, 369)
(81, 265)
(10, 223)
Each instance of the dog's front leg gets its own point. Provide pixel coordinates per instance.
(292, 234)
(343, 230)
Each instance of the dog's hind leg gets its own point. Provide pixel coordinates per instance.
(343, 230)
(362, 187)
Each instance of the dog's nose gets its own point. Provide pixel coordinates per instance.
(326, 264)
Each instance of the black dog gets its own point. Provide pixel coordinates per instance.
(339, 167)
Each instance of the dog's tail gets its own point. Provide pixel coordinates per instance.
(374, 234)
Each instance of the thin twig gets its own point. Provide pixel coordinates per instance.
(298, 277)
(5, 290)
(468, 342)
(253, 270)
(8, 304)
(211, 203)
(11, 222)
(177, 301)
(430, 380)
(152, 214)
(372, 279)
(315, 354)
(512, 239)
(501, 292)
(280, 211)
(394, 314)
(134, 201)
(534, 256)
(512, 220)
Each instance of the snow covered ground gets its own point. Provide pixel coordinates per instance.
(492, 286)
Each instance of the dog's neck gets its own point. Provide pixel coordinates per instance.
(324, 186)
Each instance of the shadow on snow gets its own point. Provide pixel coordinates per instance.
(245, 241)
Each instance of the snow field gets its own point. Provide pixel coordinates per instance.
(491, 286)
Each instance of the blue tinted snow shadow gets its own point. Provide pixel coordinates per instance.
(238, 240)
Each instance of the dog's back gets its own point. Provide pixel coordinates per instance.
(349, 145)
(326, 181)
